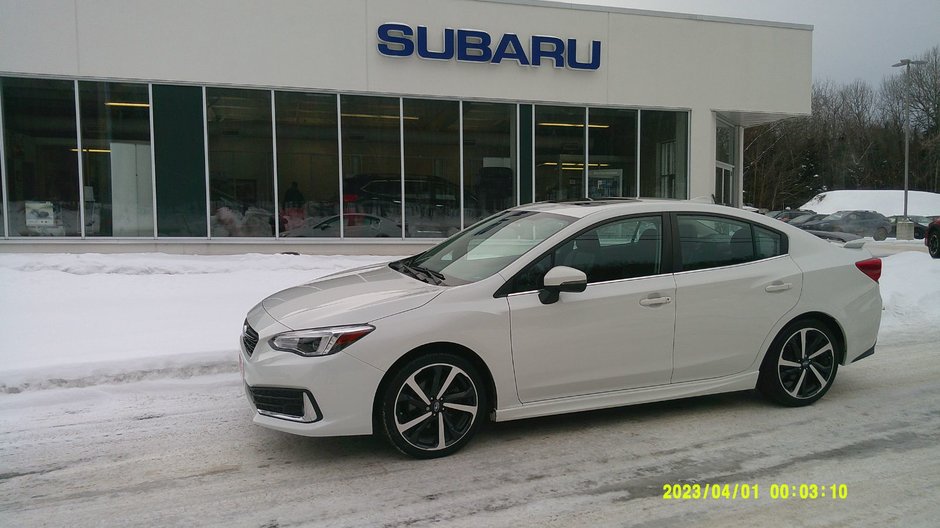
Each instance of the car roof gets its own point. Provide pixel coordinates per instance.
(582, 208)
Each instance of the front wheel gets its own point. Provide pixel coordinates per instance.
(801, 364)
(881, 233)
(933, 243)
(432, 406)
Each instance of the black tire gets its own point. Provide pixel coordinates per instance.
(933, 243)
(881, 233)
(432, 406)
(801, 364)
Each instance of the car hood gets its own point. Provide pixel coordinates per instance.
(352, 297)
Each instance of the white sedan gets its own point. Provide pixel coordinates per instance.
(553, 308)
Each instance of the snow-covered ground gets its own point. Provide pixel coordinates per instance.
(70, 320)
(887, 202)
(177, 448)
(73, 320)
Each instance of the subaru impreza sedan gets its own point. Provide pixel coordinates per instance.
(553, 308)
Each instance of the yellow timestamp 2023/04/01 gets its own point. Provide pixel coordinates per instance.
(752, 491)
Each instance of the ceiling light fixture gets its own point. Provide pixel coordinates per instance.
(380, 116)
(572, 125)
(128, 105)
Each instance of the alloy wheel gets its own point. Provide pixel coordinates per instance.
(806, 363)
(436, 406)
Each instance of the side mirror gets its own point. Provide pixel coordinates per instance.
(561, 279)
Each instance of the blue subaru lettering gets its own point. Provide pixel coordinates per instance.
(472, 45)
(550, 48)
(425, 53)
(472, 40)
(510, 48)
(395, 41)
(595, 58)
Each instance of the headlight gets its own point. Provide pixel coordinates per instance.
(319, 341)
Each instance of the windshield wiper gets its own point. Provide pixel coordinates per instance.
(431, 273)
(422, 274)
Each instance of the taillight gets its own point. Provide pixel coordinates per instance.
(870, 267)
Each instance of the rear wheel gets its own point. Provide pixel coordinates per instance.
(933, 243)
(432, 406)
(881, 233)
(801, 364)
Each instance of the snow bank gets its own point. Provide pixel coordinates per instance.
(888, 203)
(910, 290)
(76, 320)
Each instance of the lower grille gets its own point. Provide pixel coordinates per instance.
(249, 338)
(289, 404)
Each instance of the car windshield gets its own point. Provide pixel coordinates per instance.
(836, 216)
(486, 247)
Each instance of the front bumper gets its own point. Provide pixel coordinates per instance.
(340, 389)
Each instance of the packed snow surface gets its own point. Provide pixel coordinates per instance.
(888, 203)
(78, 320)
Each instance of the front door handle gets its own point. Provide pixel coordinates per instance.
(778, 287)
(655, 301)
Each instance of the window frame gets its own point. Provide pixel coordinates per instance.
(667, 261)
(677, 248)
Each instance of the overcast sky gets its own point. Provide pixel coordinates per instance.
(852, 39)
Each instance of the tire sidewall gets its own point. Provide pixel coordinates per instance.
(388, 398)
(769, 380)
(933, 243)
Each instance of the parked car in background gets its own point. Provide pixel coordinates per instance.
(920, 225)
(355, 225)
(812, 217)
(790, 214)
(933, 238)
(861, 223)
(834, 236)
(552, 308)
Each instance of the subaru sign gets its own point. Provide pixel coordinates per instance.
(473, 45)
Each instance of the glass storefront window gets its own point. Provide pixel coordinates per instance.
(724, 163)
(724, 143)
(612, 152)
(340, 172)
(526, 175)
(179, 160)
(41, 157)
(241, 162)
(559, 153)
(371, 165)
(432, 168)
(118, 193)
(307, 164)
(3, 192)
(663, 154)
(489, 158)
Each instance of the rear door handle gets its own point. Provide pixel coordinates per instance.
(778, 287)
(655, 301)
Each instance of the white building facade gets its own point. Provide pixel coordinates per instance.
(364, 125)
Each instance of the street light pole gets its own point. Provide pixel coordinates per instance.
(907, 120)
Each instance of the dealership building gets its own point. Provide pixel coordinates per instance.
(364, 126)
